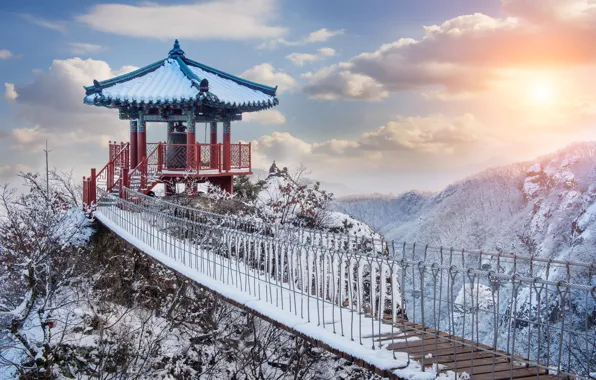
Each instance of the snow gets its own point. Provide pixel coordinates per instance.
(229, 91)
(205, 171)
(472, 296)
(535, 168)
(168, 82)
(320, 326)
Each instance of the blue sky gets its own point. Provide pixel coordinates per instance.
(471, 90)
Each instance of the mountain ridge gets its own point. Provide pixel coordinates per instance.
(544, 207)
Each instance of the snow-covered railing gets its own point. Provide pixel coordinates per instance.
(358, 293)
(314, 237)
(500, 262)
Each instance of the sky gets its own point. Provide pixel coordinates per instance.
(382, 96)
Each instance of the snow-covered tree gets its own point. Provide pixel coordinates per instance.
(290, 197)
(41, 234)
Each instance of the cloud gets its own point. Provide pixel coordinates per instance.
(83, 48)
(335, 82)
(418, 147)
(51, 107)
(415, 136)
(300, 59)
(9, 172)
(432, 134)
(321, 35)
(268, 117)
(279, 146)
(9, 92)
(5, 54)
(52, 25)
(225, 19)
(468, 54)
(265, 73)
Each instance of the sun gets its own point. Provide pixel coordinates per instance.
(542, 93)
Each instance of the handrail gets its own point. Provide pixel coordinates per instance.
(90, 183)
(538, 321)
(142, 169)
(391, 247)
(112, 161)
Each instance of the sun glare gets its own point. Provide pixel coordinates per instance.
(542, 93)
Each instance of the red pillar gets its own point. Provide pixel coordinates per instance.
(160, 152)
(214, 153)
(226, 145)
(93, 187)
(191, 146)
(133, 144)
(141, 140)
(123, 183)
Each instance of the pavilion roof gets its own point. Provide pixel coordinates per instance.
(180, 81)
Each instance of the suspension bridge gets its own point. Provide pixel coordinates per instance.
(399, 310)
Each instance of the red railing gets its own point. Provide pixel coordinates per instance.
(240, 156)
(119, 154)
(147, 170)
(194, 159)
(205, 158)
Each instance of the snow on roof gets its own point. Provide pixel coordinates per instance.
(178, 80)
(166, 83)
(230, 91)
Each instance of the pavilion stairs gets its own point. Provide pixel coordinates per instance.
(118, 172)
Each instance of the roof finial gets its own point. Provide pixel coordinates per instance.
(176, 50)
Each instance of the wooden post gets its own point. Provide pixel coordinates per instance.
(141, 139)
(133, 144)
(214, 153)
(249, 157)
(143, 171)
(123, 182)
(93, 187)
(226, 144)
(110, 174)
(85, 193)
(191, 144)
(159, 157)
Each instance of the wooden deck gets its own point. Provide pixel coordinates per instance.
(433, 348)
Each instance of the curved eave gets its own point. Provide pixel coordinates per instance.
(208, 100)
(271, 91)
(123, 78)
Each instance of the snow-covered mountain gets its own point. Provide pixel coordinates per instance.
(545, 207)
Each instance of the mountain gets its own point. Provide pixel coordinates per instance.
(545, 207)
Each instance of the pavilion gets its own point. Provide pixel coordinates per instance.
(180, 92)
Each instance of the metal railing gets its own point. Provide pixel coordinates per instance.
(362, 288)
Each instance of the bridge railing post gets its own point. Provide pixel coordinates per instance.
(123, 182)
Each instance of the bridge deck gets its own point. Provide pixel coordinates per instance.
(248, 272)
(442, 352)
